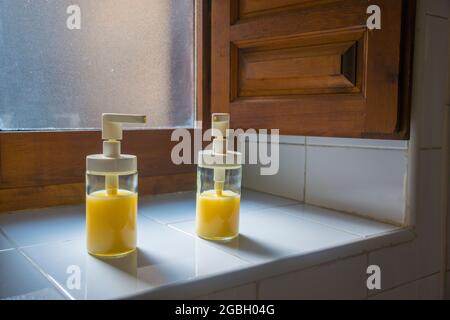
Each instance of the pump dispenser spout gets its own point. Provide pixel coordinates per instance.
(220, 124)
(112, 134)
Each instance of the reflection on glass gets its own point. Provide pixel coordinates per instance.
(133, 57)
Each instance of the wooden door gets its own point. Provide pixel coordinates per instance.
(312, 67)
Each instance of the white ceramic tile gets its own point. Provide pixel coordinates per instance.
(253, 200)
(434, 95)
(301, 140)
(164, 256)
(20, 280)
(346, 222)
(424, 289)
(428, 215)
(265, 237)
(340, 280)
(169, 208)
(4, 243)
(44, 225)
(282, 139)
(399, 265)
(177, 207)
(245, 292)
(42, 294)
(369, 182)
(360, 143)
(288, 182)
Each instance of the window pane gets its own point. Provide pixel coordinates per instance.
(133, 56)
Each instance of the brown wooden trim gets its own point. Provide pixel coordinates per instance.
(48, 158)
(73, 193)
(203, 42)
(406, 72)
(167, 184)
(220, 48)
(41, 169)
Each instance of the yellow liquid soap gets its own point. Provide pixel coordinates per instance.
(218, 214)
(111, 222)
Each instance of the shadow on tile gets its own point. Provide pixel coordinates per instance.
(246, 244)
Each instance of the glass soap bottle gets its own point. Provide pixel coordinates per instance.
(218, 186)
(111, 192)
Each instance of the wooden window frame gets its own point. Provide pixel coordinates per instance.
(345, 115)
(42, 169)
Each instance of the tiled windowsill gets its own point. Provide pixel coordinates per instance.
(42, 251)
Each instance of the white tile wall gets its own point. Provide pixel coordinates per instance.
(340, 280)
(433, 85)
(403, 264)
(362, 143)
(428, 216)
(369, 182)
(436, 7)
(423, 289)
(398, 265)
(366, 177)
(289, 182)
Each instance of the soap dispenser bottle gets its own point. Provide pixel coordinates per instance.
(111, 192)
(218, 185)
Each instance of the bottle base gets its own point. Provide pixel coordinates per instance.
(220, 239)
(112, 255)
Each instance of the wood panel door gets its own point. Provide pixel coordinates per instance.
(312, 67)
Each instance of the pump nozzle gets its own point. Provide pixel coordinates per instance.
(112, 124)
(220, 124)
(112, 134)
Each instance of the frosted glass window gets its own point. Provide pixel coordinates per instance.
(133, 56)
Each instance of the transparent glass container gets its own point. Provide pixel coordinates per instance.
(111, 213)
(217, 212)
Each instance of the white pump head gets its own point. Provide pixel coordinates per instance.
(112, 124)
(220, 123)
(112, 161)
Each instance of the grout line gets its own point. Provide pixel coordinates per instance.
(305, 170)
(358, 215)
(165, 223)
(331, 226)
(436, 16)
(36, 266)
(212, 245)
(284, 143)
(272, 194)
(338, 145)
(344, 146)
(402, 284)
(47, 276)
(430, 149)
